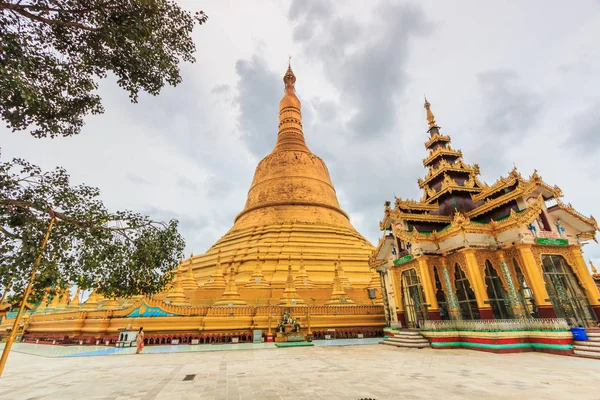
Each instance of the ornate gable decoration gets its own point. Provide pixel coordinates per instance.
(462, 224)
(568, 208)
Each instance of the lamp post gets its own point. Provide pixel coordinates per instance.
(13, 333)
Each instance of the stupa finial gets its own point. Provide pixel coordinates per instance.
(430, 116)
(289, 78)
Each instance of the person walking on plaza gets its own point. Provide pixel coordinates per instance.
(139, 341)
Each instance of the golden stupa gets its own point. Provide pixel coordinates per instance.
(285, 251)
(292, 213)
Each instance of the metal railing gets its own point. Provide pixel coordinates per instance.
(530, 324)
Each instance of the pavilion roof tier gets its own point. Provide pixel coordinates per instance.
(512, 180)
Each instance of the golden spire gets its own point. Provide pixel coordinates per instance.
(54, 301)
(176, 295)
(230, 295)
(343, 278)
(338, 295)
(594, 270)
(44, 303)
(302, 279)
(60, 301)
(257, 280)
(290, 135)
(217, 280)
(375, 282)
(74, 304)
(189, 281)
(430, 116)
(289, 296)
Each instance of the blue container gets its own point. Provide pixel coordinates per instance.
(579, 333)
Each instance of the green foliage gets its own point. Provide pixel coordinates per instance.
(52, 53)
(121, 253)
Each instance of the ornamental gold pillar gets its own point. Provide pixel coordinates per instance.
(453, 306)
(478, 285)
(397, 295)
(591, 290)
(513, 296)
(433, 309)
(538, 286)
(388, 295)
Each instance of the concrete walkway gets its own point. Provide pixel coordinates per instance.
(320, 372)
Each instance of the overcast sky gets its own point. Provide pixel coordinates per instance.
(510, 81)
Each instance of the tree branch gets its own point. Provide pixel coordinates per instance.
(8, 233)
(67, 10)
(29, 205)
(21, 10)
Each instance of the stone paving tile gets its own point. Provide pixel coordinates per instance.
(320, 372)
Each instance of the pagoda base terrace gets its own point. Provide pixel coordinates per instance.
(501, 336)
(197, 325)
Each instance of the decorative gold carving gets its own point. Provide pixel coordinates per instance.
(447, 151)
(568, 208)
(555, 190)
(402, 204)
(565, 252)
(450, 186)
(459, 220)
(435, 264)
(437, 138)
(522, 189)
(587, 235)
(451, 262)
(445, 166)
(430, 191)
(398, 215)
(501, 183)
(512, 254)
(481, 256)
(514, 177)
(447, 182)
(461, 224)
(470, 182)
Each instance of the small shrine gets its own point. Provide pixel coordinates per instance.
(127, 337)
(290, 330)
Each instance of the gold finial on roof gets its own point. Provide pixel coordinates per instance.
(289, 78)
(594, 270)
(430, 116)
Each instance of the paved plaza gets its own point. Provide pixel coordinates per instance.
(319, 372)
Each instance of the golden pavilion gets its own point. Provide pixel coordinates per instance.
(469, 250)
(292, 246)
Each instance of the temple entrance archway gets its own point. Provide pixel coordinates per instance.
(498, 297)
(413, 297)
(566, 294)
(440, 296)
(465, 295)
(525, 293)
